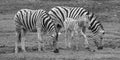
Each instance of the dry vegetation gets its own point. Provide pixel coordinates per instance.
(108, 12)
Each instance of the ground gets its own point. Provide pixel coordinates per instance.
(107, 12)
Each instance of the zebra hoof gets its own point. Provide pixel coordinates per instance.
(100, 48)
(56, 51)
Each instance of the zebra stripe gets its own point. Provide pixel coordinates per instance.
(61, 13)
(28, 20)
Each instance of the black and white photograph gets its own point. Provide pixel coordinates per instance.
(59, 29)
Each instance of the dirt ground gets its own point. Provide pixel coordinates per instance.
(106, 10)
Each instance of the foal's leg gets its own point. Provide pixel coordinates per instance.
(86, 40)
(85, 37)
(40, 41)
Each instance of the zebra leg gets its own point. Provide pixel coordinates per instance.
(69, 41)
(66, 38)
(40, 41)
(66, 27)
(86, 41)
(23, 44)
(85, 37)
(75, 32)
(18, 41)
(23, 41)
(71, 37)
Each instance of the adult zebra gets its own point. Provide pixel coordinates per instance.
(61, 13)
(27, 20)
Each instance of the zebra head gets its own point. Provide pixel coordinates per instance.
(97, 29)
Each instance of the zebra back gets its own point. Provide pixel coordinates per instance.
(61, 13)
(29, 20)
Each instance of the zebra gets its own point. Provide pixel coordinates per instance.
(62, 13)
(71, 25)
(27, 20)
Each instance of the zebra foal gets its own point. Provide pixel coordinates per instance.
(72, 26)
